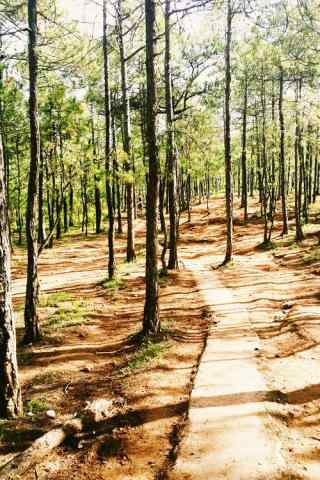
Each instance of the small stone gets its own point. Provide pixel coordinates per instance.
(287, 305)
(98, 410)
(51, 414)
(86, 369)
(29, 414)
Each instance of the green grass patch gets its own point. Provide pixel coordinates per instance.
(131, 267)
(267, 246)
(288, 242)
(54, 299)
(127, 267)
(48, 377)
(37, 405)
(68, 315)
(313, 256)
(19, 264)
(19, 307)
(114, 284)
(148, 351)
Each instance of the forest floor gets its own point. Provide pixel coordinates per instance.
(254, 326)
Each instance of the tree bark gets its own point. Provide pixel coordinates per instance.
(97, 193)
(227, 138)
(283, 182)
(108, 156)
(171, 158)
(19, 215)
(41, 226)
(297, 170)
(10, 393)
(151, 320)
(127, 146)
(244, 186)
(32, 330)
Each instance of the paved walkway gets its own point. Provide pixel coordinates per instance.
(230, 433)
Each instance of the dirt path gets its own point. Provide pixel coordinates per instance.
(255, 408)
(230, 431)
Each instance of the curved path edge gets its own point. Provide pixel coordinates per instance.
(230, 434)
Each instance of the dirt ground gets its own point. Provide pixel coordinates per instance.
(87, 351)
(90, 355)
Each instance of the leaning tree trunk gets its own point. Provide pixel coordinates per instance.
(227, 138)
(32, 331)
(108, 156)
(10, 394)
(171, 158)
(282, 160)
(151, 320)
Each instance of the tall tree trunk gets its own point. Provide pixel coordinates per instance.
(227, 138)
(297, 170)
(171, 158)
(10, 393)
(244, 191)
(127, 146)
(108, 156)
(151, 319)
(116, 175)
(58, 213)
(71, 200)
(162, 191)
(272, 207)
(19, 215)
(97, 193)
(282, 159)
(4, 140)
(41, 229)
(265, 174)
(32, 330)
(316, 169)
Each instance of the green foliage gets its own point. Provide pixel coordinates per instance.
(37, 405)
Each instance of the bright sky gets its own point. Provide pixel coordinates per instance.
(87, 13)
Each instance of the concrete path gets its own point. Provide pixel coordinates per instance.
(230, 433)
